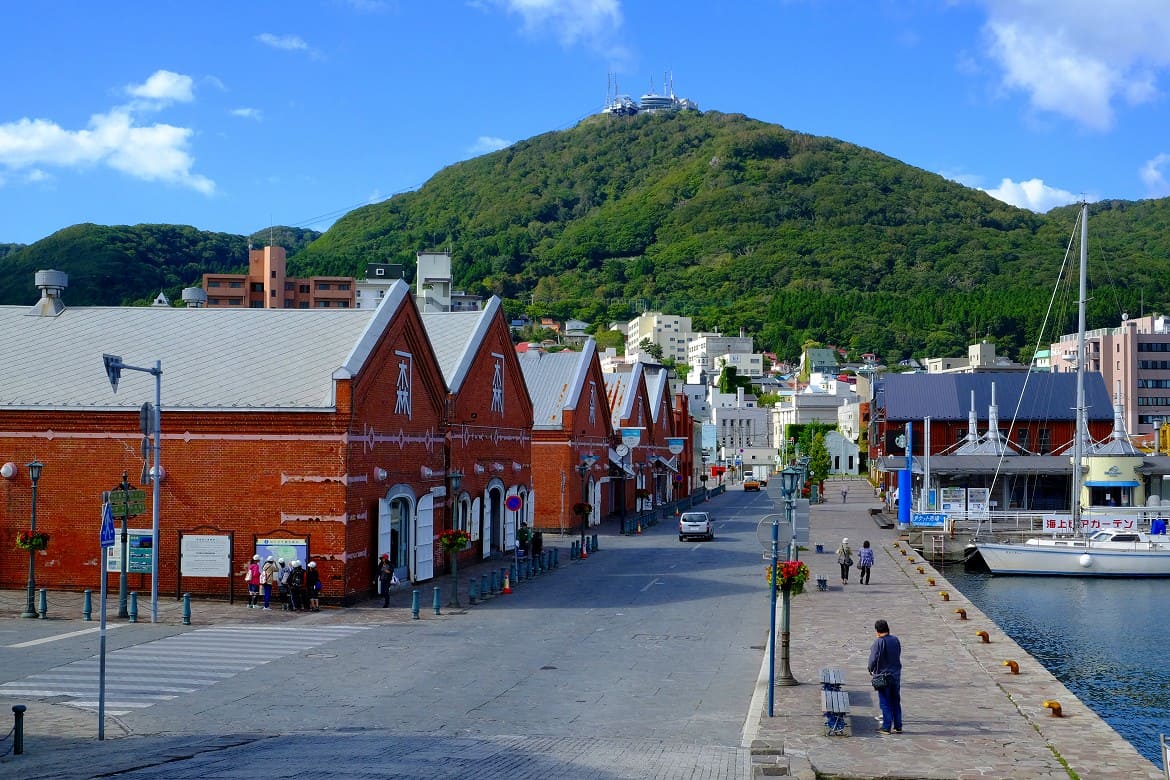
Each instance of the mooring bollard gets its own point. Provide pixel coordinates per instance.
(44, 603)
(472, 591)
(186, 609)
(414, 604)
(438, 598)
(18, 729)
(133, 607)
(87, 605)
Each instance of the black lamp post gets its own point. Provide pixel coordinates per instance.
(34, 474)
(587, 462)
(456, 479)
(789, 484)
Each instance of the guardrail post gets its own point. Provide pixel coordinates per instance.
(87, 605)
(133, 606)
(186, 609)
(18, 729)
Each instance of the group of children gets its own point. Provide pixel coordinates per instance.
(298, 587)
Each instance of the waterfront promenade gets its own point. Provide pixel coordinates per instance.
(965, 714)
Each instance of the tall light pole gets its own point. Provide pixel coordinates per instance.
(455, 477)
(789, 482)
(34, 474)
(587, 462)
(114, 368)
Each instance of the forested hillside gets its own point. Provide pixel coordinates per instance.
(735, 222)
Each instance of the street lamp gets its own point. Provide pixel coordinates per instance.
(789, 483)
(34, 474)
(456, 479)
(587, 462)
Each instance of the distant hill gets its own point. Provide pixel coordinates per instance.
(735, 222)
(127, 265)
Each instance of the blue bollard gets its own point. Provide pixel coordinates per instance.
(573, 551)
(512, 573)
(594, 543)
(556, 557)
(438, 599)
(543, 562)
(472, 591)
(503, 575)
(527, 569)
(133, 607)
(18, 729)
(492, 587)
(87, 605)
(44, 603)
(186, 609)
(414, 604)
(483, 587)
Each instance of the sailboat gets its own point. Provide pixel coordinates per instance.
(1106, 552)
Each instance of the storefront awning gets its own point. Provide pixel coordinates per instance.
(1101, 483)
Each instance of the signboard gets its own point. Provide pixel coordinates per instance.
(978, 500)
(289, 549)
(676, 444)
(120, 499)
(139, 552)
(928, 519)
(631, 437)
(954, 499)
(202, 555)
(106, 535)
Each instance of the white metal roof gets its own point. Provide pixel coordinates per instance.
(453, 335)
(554, 382)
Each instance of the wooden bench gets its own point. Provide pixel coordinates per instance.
(834, 702)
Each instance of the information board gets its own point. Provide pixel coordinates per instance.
(289, 549)
(204, 555)
(139, 552)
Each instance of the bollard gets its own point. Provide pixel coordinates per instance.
(543, 562)
(512, 573)
(437, 598)
(503, 576)
(44, 603)
(87, 605)
(493, 586)
(594, 548)
(483, 587)
(133, 607)
(18, 729)
(186, 609)
(414, 604)
(573, 550)
(472, 590)
(556, 557)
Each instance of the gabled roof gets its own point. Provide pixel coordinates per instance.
(455, 336)
(620, 389)
(211, 358)
(554, 381)
(657, 385)
(948, 396)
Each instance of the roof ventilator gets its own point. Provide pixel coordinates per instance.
(51, 284)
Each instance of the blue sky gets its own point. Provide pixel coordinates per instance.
(232, 116)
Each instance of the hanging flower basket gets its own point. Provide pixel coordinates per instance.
(454, 540)
(641, 494)
(792, 575)
(32, 541)
(582, 509)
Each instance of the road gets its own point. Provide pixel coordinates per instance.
(640, 661)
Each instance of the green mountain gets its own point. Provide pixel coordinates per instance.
(127, 265)
(735, 222)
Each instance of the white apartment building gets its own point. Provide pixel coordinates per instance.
(369, 292)
(668, 331)
(703, 348)
(434, 291)
(981, 357)
(740, 422)
(1133, 358)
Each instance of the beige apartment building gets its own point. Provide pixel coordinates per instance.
(268, 286)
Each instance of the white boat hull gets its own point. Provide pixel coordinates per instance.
(1077, 559)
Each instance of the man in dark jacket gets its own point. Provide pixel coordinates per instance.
(885, 664)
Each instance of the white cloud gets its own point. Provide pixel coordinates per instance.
(248, 113)
(1079, 58)
(487, 143)
(284, 42)
(593, 21)
(164, 86)
(1153, 174)
(114, 139)
(1032, 194)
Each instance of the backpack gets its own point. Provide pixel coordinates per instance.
(296, 578)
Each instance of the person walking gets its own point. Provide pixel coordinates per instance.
(313, 587)
(282, 570)
(844, 494)
(296, 587)
(864, 562)
(885, 666)
(845, 559)
(253, 580)
(268, 580)
(385, 578)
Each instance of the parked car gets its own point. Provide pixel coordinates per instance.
(695, 525)
(751, 483)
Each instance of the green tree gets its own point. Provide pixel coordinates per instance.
(819, 461)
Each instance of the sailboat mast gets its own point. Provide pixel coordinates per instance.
(1081, 426)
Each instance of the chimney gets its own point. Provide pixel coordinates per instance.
(50, 283)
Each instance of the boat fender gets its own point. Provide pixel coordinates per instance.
(1086, 561)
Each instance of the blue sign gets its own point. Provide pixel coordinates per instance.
(928, 519)
(107, 533)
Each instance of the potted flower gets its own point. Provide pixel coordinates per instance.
(791, 576)
(582, 509)
(32, 540)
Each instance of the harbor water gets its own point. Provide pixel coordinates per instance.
(1103, 638)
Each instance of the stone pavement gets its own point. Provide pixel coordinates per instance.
(965, 714)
